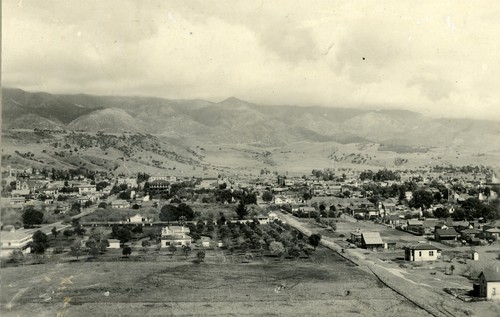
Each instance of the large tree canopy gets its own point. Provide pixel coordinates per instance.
(173, 213)
(32, 217)
(421, 198)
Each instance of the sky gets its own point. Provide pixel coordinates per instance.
(439, 58)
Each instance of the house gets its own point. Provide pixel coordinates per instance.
(415, 226)
(120, 204)
(131, 182)
(205, 241)
(263, 220)
(445, 234)
(159, 186)
(489, 284)
(371, 240)
(114, 244)
(491, 233)
(272, 216)
(137, 219)
(430, 225)
(86, 189)
(175, 235)
(14, 240)
(19, 201)
(356, 238)
(468, 234)
(422, 252)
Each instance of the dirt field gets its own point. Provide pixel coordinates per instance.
(322, 285)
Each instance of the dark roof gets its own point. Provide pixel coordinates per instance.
(469, 231)
(446, 232)
(491, 275)
(422, 246)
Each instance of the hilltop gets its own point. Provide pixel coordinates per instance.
(233, 134)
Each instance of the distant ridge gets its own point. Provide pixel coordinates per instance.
(237, 121)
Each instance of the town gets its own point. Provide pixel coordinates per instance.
(440, 224)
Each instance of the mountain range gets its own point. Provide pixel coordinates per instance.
(235, 121)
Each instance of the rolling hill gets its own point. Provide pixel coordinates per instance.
(238, 131)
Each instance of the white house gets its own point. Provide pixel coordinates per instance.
(114, 244)
(489, 284)
(175, 235)
(86, 189)
(137, 219)
(14, 240)
(422, 252)
(120, 204)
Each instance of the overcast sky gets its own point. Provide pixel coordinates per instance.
(436, 57)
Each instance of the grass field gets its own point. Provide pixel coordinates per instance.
(322, 285)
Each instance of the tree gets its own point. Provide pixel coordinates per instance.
(314, 240)
(185, 211)
(68, 233)
(54, 232)
(452, 268)
(32, 217)
(421, 199)
(294, 253)
(277, 248)
(40, 242)
(186, 250)
(267, 196)
(102, 205)
(200, 255)
(127, 251)
(172, 249)
(306, 196)
(441, 213)
(17, 256)
(241, 210)
(103, 245)
(121, 233)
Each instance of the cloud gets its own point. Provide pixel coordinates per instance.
(434, 89)
(431, 57)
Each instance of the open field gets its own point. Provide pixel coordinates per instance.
(309, 287)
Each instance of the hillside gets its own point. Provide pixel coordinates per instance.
(108, 120)
(201, 135)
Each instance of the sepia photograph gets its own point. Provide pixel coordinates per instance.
(250, 158)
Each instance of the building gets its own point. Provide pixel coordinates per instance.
(162, 178)
(86, 189)
(175, 235)
(371, 240)
(445, 234)
(14, 240)
(114, 244)
(120, 204)
(489, 284)
(159, 186)
(422, 252)
(137, 219)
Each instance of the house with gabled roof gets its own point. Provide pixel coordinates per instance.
(422, 252)
(489, 284)
(445, 234)
(371, 240)
(175, 235)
